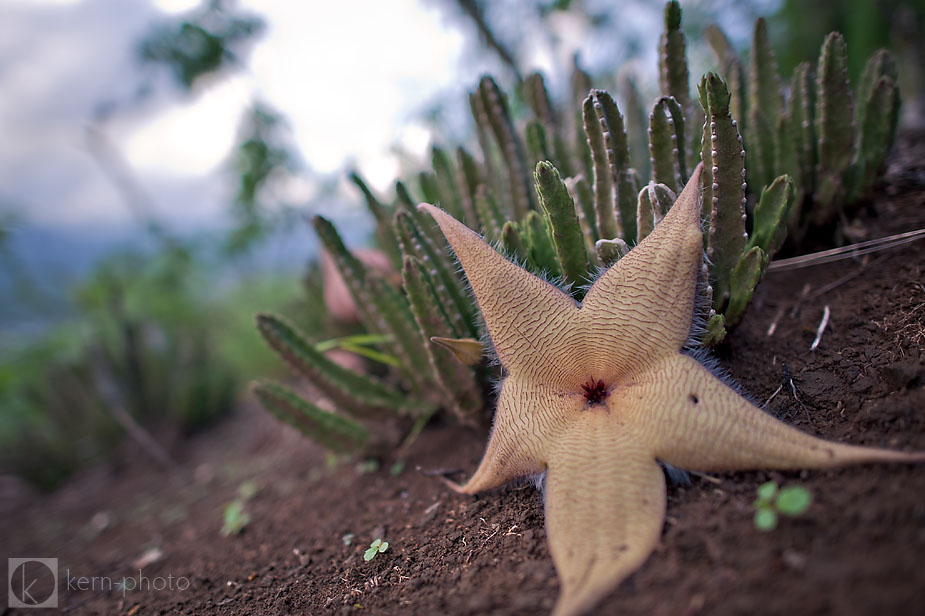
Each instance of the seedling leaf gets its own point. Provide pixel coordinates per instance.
(793, 500)
(765, 519)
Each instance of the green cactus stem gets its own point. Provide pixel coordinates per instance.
(666, 132)
(489, 213)
(771, 215)
(509, 144)
(611, 251)
(834, 127)
(604, 214)
(653, 203)
(803, 133)
(538, 241)
(745, 277)
(876, 134)
(537, 147)
(764, 106)
(724, 186)
(562, 218)
(673, 76)
(878, 66)
(580, 83)
(490, 154)
(876, 118)
(513, 245)
(538, 99)
(445, 174)
(334, 432)
(382, 307)
(449, 287)
(459, 390)
(385, 238)
(469, 179)
(354, 393)
(636, 117)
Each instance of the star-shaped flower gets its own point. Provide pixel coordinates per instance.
(597, 393)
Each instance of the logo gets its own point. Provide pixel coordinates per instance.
(33, 582)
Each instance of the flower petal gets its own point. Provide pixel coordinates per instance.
(605, 506)
(696, 422)
(528, 319)
(642, 307)
(528, 420)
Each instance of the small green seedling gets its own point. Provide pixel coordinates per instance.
(397, 468)
(247, 490)
(375, 547)
(235, 518)
(773, 502)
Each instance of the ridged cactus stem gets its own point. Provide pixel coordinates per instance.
(513, 245)
(490, 154)
(724, 186)
(510, 145)
(876, 133)
(674, 78)
(580, 86)
(876, 118)
(489, 213)
(537, 238)
(563, 221)
(456, 381)
(353, 393)
(406, 203)
(611, 251)
(834, 126)
(804, 133)
(385, 238)
(450, 198)
(384, 308)
(622, 177)
(334, 432)
(538, 98)
(468, 179)
(771, 215)
(605, 216)
(442, 270)
(879, 65)
(653, 203)
(537, 146)
(765, 105)
(352, 271)
(636, 125)
(584, 208)
(666, 130)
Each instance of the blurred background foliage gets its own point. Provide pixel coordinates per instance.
(159, 340)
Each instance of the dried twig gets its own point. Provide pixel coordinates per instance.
(822, 325)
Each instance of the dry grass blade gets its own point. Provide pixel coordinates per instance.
(846, 252)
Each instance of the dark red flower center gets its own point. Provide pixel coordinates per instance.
(595, 392)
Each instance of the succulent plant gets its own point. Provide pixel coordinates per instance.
(563, 198)
(596, 393)
(823, 134)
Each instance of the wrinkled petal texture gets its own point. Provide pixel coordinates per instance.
(599, 443)
(529, 420)
(605, 506)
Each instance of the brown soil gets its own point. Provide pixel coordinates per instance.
(858, 550)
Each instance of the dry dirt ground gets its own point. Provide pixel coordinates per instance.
(860, 549)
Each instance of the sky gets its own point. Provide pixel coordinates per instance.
(352, 78)
(61, 60)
